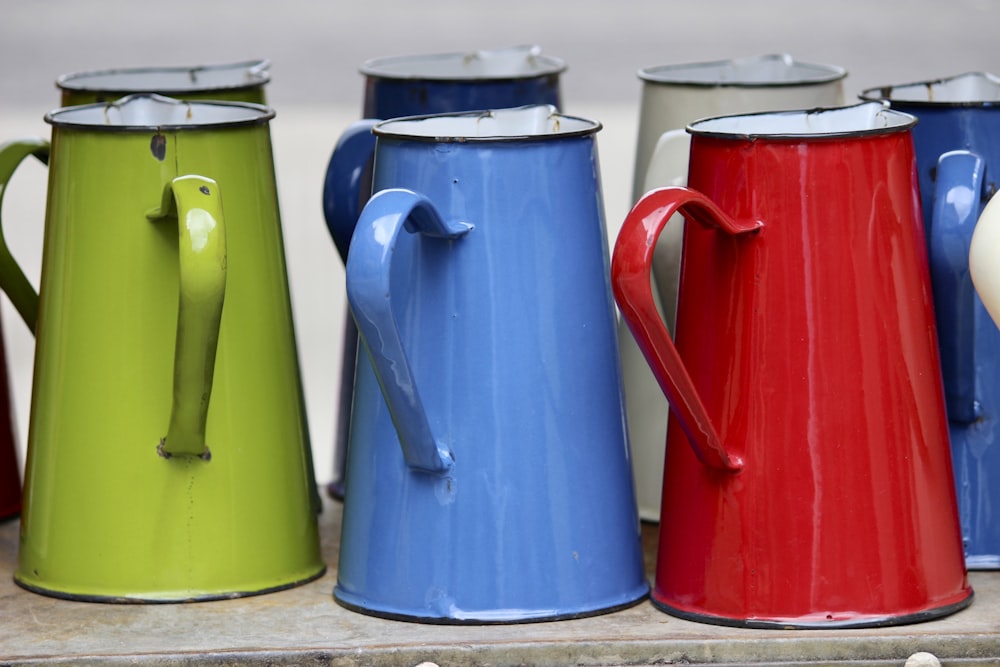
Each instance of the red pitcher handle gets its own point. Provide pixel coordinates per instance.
(630, 273)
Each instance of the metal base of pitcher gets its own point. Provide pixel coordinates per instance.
(481, 617)
(817, 622)
(145, 598)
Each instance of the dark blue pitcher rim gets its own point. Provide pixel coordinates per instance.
(886, 93)
(381, 68)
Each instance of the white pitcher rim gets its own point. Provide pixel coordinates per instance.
(684, 74)
(855, 121)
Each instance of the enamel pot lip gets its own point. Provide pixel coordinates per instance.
(220, 114)
(752, 130)
(168, 80)
(706, 74)
(432, 67)
(886, 93)
(581, 126)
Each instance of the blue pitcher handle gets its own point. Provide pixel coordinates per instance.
(957, 196)
(348, 182)
(370, 296)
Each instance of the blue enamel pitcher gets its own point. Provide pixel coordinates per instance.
(417, 85)
(488, 478)
(957, 142)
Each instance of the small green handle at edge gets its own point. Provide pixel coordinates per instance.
(12, 279)
(197, 203)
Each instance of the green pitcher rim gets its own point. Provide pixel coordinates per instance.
(144, 112)
(241, 75)
(969, 89)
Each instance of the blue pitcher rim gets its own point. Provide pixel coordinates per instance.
(888, 93)
(219, 114)
(693, 74)
(390, 67)
(169, 80)
(794, 124)
(579, 126)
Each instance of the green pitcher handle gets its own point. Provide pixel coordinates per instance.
(197, 204)
(12, 278)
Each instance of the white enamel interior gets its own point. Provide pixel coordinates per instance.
(754, 71)
(966, 88)
(520, 122)
(154, 111)
(868, 117)
(170, 79)
(507, 63)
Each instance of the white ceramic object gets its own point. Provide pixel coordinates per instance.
(984, 258)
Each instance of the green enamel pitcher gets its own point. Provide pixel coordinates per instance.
(167, 455)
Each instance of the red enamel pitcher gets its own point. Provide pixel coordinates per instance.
(807, 478)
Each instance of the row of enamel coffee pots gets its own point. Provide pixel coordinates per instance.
(957, 113)
(489, 475)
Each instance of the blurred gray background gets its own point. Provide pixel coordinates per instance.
(316, 47)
